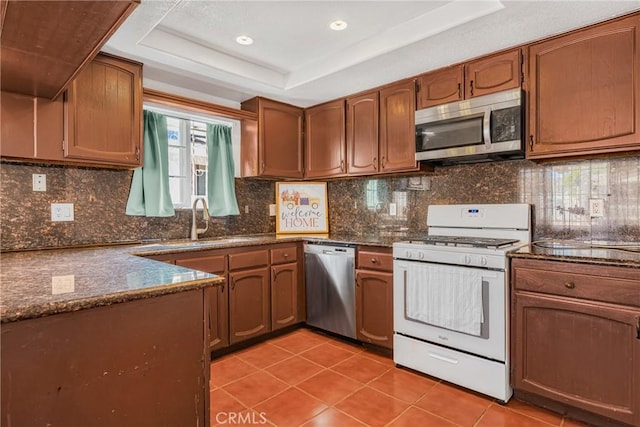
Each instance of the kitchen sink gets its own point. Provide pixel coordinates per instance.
(205, 243)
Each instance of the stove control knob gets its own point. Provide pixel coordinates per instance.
(467, 259)
(483, 261)
(421, 255)
(409, 254)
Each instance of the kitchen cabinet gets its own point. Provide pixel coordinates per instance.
(32, 128)
(381, 130)
(45, 44)
(249, 295)
(275, 150)
(576, 336)
(217, 299)
(325, 140)
(103, 108)
(397, 141)
(285, 282)
(374, 296)
(362, 134)
(585, 91)
(482, 76)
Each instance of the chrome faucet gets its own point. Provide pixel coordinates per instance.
(195, 231)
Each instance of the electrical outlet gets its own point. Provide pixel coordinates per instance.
(61, 211)
(62, 284)
(39, 182)
(393, 209)
(246, 209)
(272, 209)
(596, 208)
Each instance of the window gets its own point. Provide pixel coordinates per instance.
(187, 134)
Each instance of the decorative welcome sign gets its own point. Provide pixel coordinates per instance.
(301, 207)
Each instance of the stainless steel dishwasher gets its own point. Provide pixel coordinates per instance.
(330, 287)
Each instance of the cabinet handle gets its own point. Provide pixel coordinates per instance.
(459, 91)
(638, 327)
(137, 153)
(233, 284)
(341, 165)
(261, 168)
(569, 285)
(286, 255)
(357, 281)
(222, 289)
(375, 163)
(373, 260)
(531, 142)
(383, 162)
(471, 85)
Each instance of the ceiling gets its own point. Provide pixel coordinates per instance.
(188, 47)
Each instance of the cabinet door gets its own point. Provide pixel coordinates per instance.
(104, 113)
(362, 134)
(284, 295)
(585, 91)
(218, 316)
(578, 353)
(397, 127)
(249, 303)
(493, 73)
(374, 307)
(32, 128)
(325, 140)
(440, 87)
(280, 140)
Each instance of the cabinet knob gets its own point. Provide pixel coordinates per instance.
(375, 163)
(459, 91)
(286, 255)
(569, 285)
(471, 85)
(342, 165)
(373, 260)
(383, 162)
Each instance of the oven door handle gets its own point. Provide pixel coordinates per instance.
(486, 127)
(443, 358)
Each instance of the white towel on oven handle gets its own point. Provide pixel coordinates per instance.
(449, 297)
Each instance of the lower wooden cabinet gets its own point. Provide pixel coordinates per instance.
(374, 296)
(249, 304)
(284, 295)
(576, 336)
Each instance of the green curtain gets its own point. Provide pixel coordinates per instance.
(149, 194)
(221, 195)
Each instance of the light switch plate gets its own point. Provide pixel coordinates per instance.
(62, 212)
(272, 209)
(63, 284)
(393, 209)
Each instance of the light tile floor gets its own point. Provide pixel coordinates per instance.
(305, 378)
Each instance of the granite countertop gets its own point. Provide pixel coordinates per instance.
(604, 253)
(100, 276)
(105, 275)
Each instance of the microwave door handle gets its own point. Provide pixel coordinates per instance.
(486, 128)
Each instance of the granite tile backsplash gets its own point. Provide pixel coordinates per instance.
(560, 193)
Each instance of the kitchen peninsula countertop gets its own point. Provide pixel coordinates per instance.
(99, 276)
(579, 252)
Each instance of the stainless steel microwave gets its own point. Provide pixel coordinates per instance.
(484, 128)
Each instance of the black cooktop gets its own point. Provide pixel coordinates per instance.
(465, 242)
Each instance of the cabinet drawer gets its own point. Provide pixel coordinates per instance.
(215, 264)
(375, 259)
(593, 282)
(248, 259)
(284, 254)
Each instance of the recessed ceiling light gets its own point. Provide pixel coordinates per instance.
(244, 40)
(338, 25)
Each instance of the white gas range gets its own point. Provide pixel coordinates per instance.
(451, 295)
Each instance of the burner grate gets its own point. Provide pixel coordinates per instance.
(465, 241)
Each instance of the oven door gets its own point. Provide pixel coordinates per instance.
(417, 286)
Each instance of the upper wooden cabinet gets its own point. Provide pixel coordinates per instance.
(440, 87)
(381, 130)
(275, 150)
(45, 44)
(585, 91)
(103, 107)
(397, 127)
(362, 133)
(489, 74)
(32, 128)
(325, 140)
